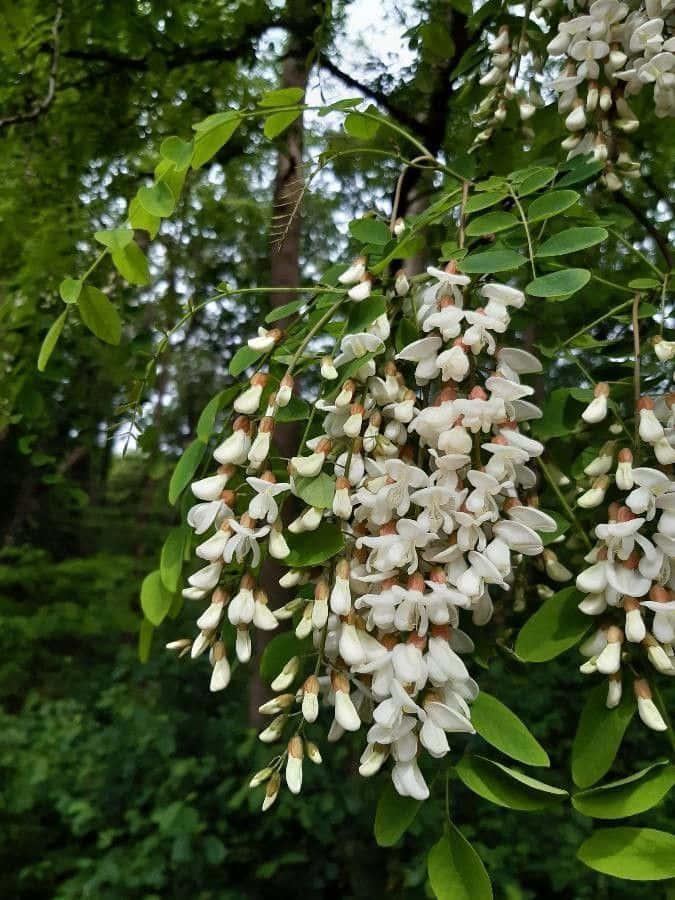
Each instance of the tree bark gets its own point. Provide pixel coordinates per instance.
(284, 271)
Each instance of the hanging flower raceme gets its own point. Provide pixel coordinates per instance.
(419, 474)
(630, 580)
(612, 51)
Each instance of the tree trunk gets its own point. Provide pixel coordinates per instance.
(284, 271)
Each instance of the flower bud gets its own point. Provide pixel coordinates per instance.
(294, 765)
(287, 676)
(272, 791)
(647, 709)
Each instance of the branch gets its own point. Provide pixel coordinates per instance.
(44, 104)
(183, 57)
(373, 93)
(639, 215)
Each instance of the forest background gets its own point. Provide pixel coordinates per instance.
(123, 779)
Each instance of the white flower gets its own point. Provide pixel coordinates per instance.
(265, 339)
(206, 578)
(454, 363)
(447, 320)
(203, 515)
(596, 410)
(409, 781)
(397, 550)
(234, 449)
(263, 505)
(210, 488)
(360, 291)
(355, 272)
(244, 541)
(354, 346)
(423, 352)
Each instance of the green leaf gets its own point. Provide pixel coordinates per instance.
(370, 231)
(207, 418)
(363, 314)
(484, 200)
(282, 97)
(455, 870)
(599, 735)
(281, 312)
(141, 218)
(535, 181)
(490, 261)
(132, 264)
(313, 547)
(177, 151)
(50, 340)
(393, 816)
(243, 358)
(554, 422)
(145, 640)
(295, 410)
(210, 140)
(497, 725)
(99, 315)
(491, 223)
(70, 289)
(506, 786)
(572, 240)
(643, 284)
(171, 559)
(637, 854)
(115, 238)
(157, 200)
(562, 525)
(280, 649)
(215, 121)
(155, 599)
(316, 491)
(279, 121)
(559, 284)
(582, 172)
(358, 126)
(555, 627)
(628, 796)
(185, 469)
(551, 204)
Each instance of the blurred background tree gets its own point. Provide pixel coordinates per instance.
(123, 780)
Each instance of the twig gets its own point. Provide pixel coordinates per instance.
(523, 219)
(46, 101)
(462, 213)
(399, 188)
(546, 472)
(636, 368)
(659, 239)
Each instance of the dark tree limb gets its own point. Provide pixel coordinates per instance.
(42, 105)
(640, 216)
(373, 93)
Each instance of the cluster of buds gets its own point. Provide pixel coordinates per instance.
(506, 55)
(630, 581)
(427, 452)
(612, 52)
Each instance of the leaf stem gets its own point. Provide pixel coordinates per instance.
(629, 246)
(636, 370)
(597, 321)
(523, 219)
(548, 475)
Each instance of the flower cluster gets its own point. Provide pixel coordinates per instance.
(426, 453)
(612, 51)
(501, 77)
(629, 583)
